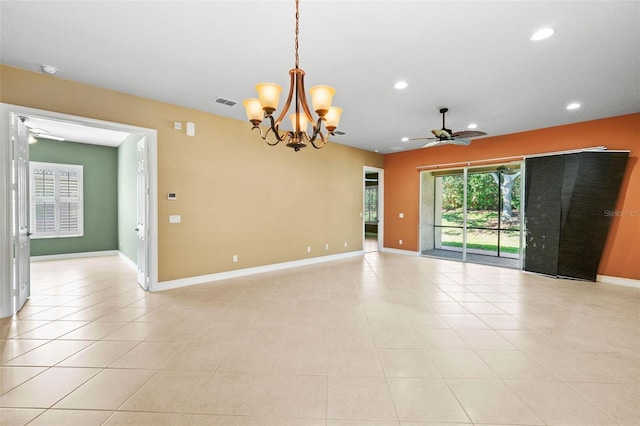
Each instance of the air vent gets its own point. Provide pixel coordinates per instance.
(224, 101)
(339, 133)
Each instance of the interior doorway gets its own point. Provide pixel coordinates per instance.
(474, 214)
(146, 151)
(373, 214)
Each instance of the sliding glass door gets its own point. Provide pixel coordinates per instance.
(476, 214)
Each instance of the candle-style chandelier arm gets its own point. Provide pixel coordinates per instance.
(317, 131)
(274, 129)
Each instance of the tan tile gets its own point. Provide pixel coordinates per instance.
(354, 362)
(47, 388)
(501, 322)
(17, 416)
(71, 418)
(15, 347)
(93, 331)
(92, 395)
(122, 418)
(50, 353)
(53, 330)
(12, 328)
(557, 403)
(311, 360)
(230, 393)
(215, 420)
(150, 355)
(464, 322)
(407, 363)
(178, 390)
(460, 364)
(249, 360)
(197, 356)
(395, 338)
(295, 396)
(55, 313)
(286, 421)
(491, 401)
(350, 338)
(485, 340)
(10, 377)
(573, 367)
(345, 399)
(425, 400)
(363, 423)
(440, 339)
(99, 354)
(134, 331)
(619, 401)
(516, 365)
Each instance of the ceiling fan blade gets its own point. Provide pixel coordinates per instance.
(468, 134)
(463, 141)
(422, 139)
(437, 142)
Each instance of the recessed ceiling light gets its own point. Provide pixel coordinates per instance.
(573, 105)
(400, 85)
(405, 139)
(49, 69)
(472, 126)
(542, 33)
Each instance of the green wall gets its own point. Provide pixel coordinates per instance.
(100, 196)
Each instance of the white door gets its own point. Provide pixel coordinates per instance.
(21, 234)
(142, 214)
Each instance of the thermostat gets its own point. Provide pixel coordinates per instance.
(171, 196)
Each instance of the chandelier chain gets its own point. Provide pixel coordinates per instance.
(297, 32)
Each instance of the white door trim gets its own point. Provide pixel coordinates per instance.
(369, 169)
(5, 190)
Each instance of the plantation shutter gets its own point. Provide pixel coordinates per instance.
(56, 200)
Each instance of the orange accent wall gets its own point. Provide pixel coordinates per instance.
(621, 257)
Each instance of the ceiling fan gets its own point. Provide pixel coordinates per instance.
(446, 136)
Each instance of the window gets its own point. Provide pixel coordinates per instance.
(56, 200)
(371, 204)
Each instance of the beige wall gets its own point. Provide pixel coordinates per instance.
(236, 195)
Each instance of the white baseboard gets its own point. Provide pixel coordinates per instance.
(398, 251)
(74, 255)
(627, 282)
(128, 261)
(202, 279)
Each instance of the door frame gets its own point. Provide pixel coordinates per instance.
(6, 211)
(370, 169)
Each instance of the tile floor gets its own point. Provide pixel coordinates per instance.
(384, 339)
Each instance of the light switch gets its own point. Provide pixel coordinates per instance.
(401, 215)
(191, 128)
(175, 218)
(177, 125)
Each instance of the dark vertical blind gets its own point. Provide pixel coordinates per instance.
(567, 197)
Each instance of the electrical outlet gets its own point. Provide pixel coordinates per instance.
(235, 257)
(400, 242)
(345, 244)
(326, 246)
(309, 249)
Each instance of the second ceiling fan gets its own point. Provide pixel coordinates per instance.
(447, 136)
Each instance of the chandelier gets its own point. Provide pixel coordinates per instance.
(265, 105)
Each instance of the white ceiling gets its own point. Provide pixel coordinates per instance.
(72, 132)
(474, 57)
